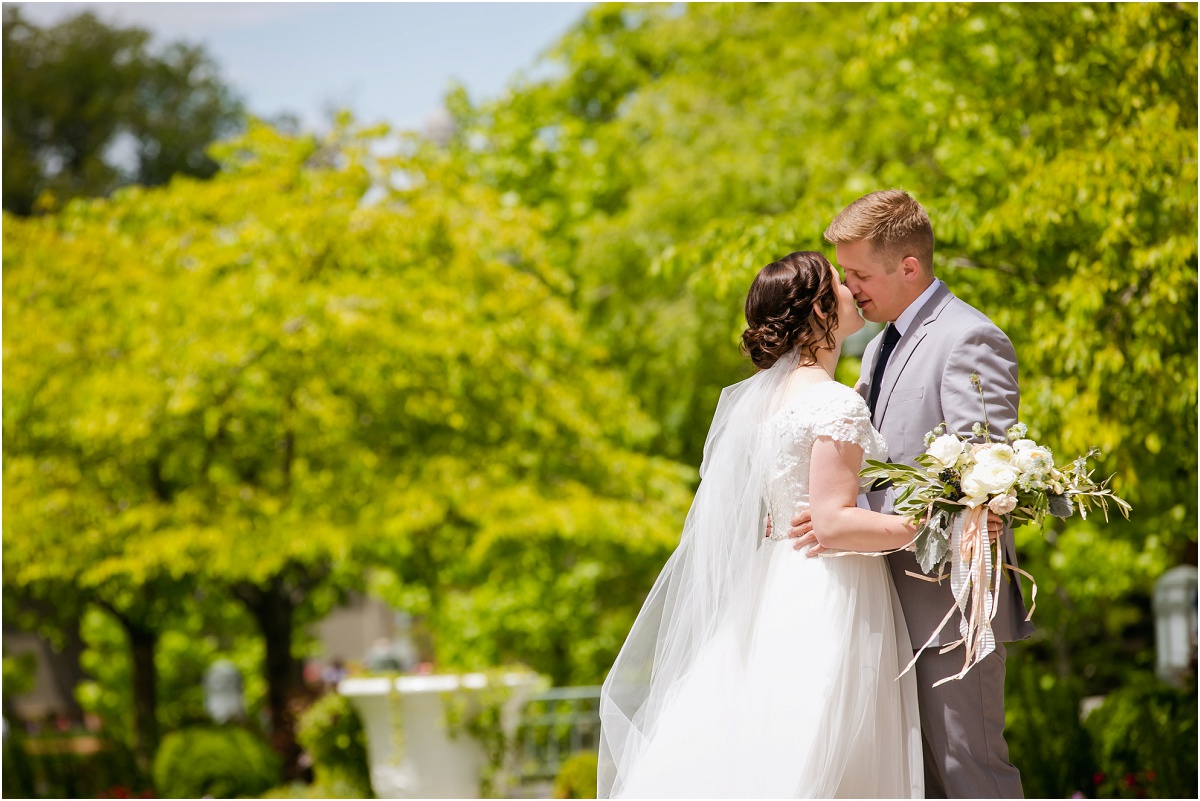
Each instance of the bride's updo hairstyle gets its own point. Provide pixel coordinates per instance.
(781, 309)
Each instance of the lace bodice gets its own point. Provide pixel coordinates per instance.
(825, 409)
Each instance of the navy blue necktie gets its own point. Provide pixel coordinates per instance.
(890, 337)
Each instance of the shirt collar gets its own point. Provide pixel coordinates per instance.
(905, 320)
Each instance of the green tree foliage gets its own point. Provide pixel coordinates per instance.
(689, 148)
(75, 91)
(261, 380)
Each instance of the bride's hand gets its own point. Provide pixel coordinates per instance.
(802, 532)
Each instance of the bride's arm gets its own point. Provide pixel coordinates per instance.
(833, 489)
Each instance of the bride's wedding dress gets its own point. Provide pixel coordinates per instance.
(788, 686)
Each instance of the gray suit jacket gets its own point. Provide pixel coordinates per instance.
(928, 381)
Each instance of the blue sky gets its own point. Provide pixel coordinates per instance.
(384, 61)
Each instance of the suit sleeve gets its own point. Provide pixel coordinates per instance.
(986, 351)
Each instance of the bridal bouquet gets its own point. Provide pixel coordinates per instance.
(1016, 478)
(948, 497)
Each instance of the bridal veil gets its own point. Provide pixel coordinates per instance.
(705, 585)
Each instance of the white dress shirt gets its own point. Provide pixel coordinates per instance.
(905, 320)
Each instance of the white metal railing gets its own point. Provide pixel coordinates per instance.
(554, 725)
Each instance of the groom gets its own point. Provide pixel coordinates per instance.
(915, 375)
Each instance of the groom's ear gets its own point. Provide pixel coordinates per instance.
(911, 267)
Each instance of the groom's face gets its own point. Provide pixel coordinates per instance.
(880, 294)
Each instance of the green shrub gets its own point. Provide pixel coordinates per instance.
(332, 733)
(577, 776)
(315, 790)
(222, 762)
(17, 776)
(1144, 737)
(69, 766)
(1046, 741)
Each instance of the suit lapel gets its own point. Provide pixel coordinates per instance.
(906, 346)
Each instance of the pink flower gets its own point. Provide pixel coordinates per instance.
(1003, 504)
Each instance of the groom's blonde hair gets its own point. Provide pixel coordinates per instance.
(892, 221)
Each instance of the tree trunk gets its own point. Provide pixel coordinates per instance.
(142, 642)
(273, 608)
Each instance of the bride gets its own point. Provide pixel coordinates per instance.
(754, 670)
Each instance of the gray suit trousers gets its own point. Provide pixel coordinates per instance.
(965, 752)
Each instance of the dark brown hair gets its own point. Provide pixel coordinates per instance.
(781, 309)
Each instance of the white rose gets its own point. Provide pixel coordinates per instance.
(945, 450)
(1035, 459)
(1003, 504)
(1024, 444)
(987, 478)
(993, 452)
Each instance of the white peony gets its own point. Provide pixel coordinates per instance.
(945, 451)
(987, 478)
(1024, 445)
(993, 452)
(1036, 459)
(1003, 504)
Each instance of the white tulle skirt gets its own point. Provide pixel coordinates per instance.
(802, 703)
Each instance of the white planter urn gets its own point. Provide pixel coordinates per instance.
(411, 748)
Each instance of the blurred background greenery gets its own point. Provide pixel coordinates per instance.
(470, 374)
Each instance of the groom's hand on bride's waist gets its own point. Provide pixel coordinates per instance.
(995, 525)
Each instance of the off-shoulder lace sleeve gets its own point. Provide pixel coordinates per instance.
(844, 417)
